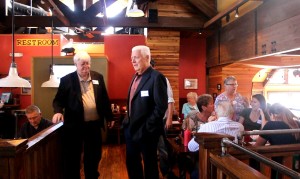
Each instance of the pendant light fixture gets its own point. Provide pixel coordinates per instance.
(52, 82)
(133, 10)
(13, 79)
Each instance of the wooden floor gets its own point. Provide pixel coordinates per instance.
(112, 164)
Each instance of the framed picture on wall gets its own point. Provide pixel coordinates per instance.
(191, 83)
(26, 91)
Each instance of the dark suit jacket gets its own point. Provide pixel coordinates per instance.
(68, 99)
(148, 106)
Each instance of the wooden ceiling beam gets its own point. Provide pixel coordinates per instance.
(58, 13)
(140, 22)
(222, 14)
(208, 9)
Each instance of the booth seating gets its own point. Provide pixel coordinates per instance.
(235, 164)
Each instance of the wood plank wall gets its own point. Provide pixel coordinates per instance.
(243, 74)
(164, 46)
(274, 21)
(175, 8)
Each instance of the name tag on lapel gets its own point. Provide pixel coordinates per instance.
(95, 82)
(144, 93)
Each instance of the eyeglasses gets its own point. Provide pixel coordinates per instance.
(233, 84)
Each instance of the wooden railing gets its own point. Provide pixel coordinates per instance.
(37, 157)
(236, 165)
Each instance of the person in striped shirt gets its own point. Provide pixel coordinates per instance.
(223, 124)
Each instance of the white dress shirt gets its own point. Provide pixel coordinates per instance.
(223, 125)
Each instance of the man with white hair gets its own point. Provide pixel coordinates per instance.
(147, 103)
(223, 124)
(82, 103)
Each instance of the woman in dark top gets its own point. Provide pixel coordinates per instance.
(281, 118)
(255, 118)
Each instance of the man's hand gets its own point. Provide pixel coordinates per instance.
(168, 123)
(111, 124)
(57, 117)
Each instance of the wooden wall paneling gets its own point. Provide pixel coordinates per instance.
(272, 12)
(215, 77)
(165, 47)
(286, 34)
(212, 50)
(237, 40)
(175, 8)
(244, 76)
(257, 87)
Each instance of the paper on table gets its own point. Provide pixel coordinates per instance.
(175, 122)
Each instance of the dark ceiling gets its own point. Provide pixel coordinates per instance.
(34, 13)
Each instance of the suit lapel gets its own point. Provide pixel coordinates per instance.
(76, 84)
(144, 79)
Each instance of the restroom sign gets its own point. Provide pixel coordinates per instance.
(36, 42)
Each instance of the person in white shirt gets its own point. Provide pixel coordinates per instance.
(223, 124)
(163, 147)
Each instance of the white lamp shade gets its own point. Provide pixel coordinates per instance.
(13, 79)
(135, 12)
(51, 83)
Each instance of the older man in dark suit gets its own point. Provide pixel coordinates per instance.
(147, 103)
(83, 99)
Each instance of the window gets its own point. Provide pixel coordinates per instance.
(62, 70)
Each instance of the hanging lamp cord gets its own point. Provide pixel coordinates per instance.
(13, 64)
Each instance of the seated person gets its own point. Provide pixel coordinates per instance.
(190, 105)
(195, 118)
(35, 122)
(223, 124)
(281, 118)
(255, 118)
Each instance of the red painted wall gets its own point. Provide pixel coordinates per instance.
(118, 51)
(23, 63)
(192, 64)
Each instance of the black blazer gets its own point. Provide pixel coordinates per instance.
(148, 106)
(68, 99)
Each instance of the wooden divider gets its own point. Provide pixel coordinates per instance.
(37, 157)
(235, 165)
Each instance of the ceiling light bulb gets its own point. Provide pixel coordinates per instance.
(236, 13)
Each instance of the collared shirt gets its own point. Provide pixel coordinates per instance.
(170, 96)
(88, 99)
(133, 88)
(223, 125)
(27, 130)
(237, 104)
(186, 108)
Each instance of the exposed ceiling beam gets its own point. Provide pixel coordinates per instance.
(163, 22)
(222, 14)
(57, 12)
(205, 7)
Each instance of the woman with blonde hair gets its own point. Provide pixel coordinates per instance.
(191, 104)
